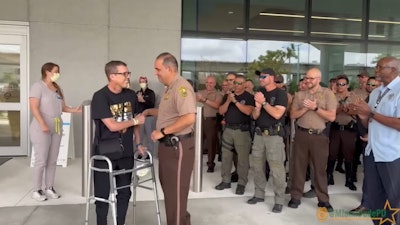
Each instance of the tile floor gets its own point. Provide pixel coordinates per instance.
(207, 207)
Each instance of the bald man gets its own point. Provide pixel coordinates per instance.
(312, 108)
(382, 154)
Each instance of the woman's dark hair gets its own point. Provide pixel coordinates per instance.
(49, 67)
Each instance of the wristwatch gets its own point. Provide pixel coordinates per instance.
(371, 115)
(264, 103)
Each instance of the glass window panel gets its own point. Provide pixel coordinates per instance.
(336, 19)
(384, 21)
(9, 128)
(341, 58)
(377, 51)
(285, 17)
(202, 57)
(189, 14)
(209, 50)
(9, 73)
(302, 57)
(221, 15)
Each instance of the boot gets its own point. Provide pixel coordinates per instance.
(349, 181)
(339, 165)
(354, 167)
(329, 172)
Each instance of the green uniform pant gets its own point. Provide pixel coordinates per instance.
(272, 149)
(241, 142)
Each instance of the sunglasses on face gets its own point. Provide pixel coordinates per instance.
(237, 83)
(341, 84)
(371, 84)
(262, 77)
(278, 82)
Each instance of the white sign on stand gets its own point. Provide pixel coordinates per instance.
(66, 145)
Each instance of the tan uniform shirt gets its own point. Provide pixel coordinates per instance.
(362, 93)
(178, 100)
(214, 95)
(343, 118)
(325, 100)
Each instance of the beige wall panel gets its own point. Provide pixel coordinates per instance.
(139, 48)
(149, 14)
(14, 10)
(69, 11)
(81, 52)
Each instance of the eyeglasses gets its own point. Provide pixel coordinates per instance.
(341, 84)
(262, 77)
(310, 78)
(237, 83)
(125, 74)
(371, 84)
(379, 67)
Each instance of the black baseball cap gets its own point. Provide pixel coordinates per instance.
(268, 71)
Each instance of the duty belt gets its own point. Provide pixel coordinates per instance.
(311, 131)
(172, 140)
(350, 126)
(269, 131)
(241, 126)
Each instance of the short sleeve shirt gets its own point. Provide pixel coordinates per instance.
(149, 99)
(383, 140)
(325, 100)
(361, 93)
(343, 118)
(178, 100)
(122, 106)
(215, 95)
(233, 115)
(50, 102)
(274, 97)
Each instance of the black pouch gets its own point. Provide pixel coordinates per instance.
(258, 131)
(280, 130)
(112, 148)
(170, 140)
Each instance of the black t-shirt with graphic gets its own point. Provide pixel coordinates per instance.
(274, 97)
(122, 106)
(149, 99)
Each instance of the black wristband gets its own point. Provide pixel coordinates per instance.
(316, 109)
(162, 131)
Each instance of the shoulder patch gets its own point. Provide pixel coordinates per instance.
(183, 91)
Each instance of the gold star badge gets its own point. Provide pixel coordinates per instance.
(394, 212)
(183, 92)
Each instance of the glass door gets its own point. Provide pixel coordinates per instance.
(14, 119)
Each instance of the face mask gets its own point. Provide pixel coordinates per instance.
(55, 77)
(143, 85)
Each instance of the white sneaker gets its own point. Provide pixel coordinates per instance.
(51, 193)
(39, 196)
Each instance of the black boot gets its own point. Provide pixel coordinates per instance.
(339, 165)
(354, 167)
(349, 181)
(329, 172)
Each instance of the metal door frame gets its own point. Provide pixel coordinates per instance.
(17, 33)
